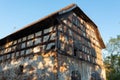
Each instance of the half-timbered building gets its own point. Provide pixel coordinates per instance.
(65, 45)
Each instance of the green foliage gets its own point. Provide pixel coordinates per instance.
(112, 60)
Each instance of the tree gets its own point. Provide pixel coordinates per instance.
(112, 59)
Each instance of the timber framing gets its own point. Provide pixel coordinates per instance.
(41, 24)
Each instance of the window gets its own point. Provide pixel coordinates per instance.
(75, 75)
(75, 51)
(20, 71)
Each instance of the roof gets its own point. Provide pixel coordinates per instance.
(41, 23)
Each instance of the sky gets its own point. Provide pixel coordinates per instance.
(15, 14)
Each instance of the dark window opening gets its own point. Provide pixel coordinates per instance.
(53, 47)
(20, 69)
(75, 75)
(75, 51)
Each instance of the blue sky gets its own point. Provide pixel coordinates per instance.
(15, 14)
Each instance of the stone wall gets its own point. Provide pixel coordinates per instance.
(69, 67)
(33, 67)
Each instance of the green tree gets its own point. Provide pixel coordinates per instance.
(112, 59)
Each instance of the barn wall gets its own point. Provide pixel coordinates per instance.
(68, 64)
(35, 67)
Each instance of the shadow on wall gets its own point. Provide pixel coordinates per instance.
(37, 67)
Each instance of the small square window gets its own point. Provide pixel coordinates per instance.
(75, 52)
